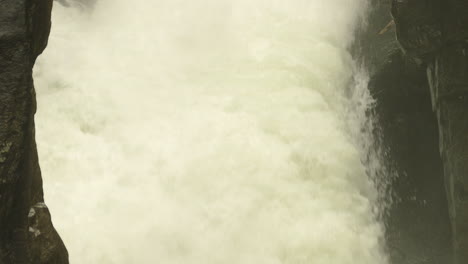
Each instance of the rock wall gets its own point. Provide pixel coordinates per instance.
(436, 34)
(419, 76)
(418, 227)
(26, 231)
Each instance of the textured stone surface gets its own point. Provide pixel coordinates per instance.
(449, 87)
(448, 77)
(397, 54)
(24, 30)
(433, 37)
(418, 227)
(418, 26)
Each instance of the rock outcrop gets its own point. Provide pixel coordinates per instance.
(436, 33)
(26, 231)
(419, 76)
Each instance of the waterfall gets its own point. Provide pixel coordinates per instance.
(205, 132)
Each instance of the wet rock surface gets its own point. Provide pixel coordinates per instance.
(24, 30)
(419, 76)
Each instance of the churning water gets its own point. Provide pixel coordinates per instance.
(205, 132)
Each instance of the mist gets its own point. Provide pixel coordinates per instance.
(206, 131)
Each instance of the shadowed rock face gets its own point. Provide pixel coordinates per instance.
(422, 94)
(418, 226)
(446, 35)
(26, 231)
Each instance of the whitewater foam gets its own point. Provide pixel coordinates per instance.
(206, 131)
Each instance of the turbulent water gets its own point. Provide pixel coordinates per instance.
(205, 132)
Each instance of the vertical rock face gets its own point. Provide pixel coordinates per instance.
(432, 66)
(418, 26)
(448, 75)
(418, 226)
(443, 45)
(26, 231)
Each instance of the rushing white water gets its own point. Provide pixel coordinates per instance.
(205, 132)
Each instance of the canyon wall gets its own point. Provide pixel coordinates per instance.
(416, 53)
(26, 231)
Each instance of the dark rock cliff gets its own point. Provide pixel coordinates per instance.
(416, 51)
(26, 231)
